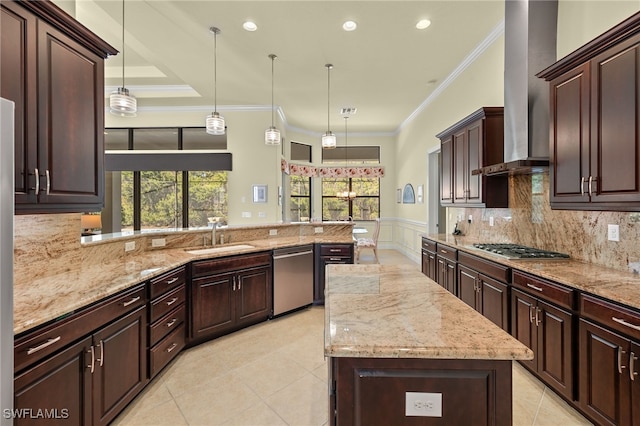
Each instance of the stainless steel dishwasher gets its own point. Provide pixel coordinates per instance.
(292, 278)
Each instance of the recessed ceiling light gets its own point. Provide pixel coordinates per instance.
(250, 26)
(349, 26)
(423, 23)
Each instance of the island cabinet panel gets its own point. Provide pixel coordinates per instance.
(542, 319)
(228, 294)
(367, 391)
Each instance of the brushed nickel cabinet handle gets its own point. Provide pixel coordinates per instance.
(530, 314)
(36, 173)
(582, 186)
(101, 359)
(538, 320)
(590, 181)
(233, 280)
(625, 323)
(443, 251)
(172, 301)
(335, 250)
(239, 284)
(536, 288)
(632, 360)
(41, 346)
(134, 300)
(172, 322)
(172, 347)
(620, 366)
(172, 280)
(46, 172)
(93, 358)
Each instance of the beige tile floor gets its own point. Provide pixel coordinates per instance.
(274, 373)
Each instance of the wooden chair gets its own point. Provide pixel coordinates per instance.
(369, 243)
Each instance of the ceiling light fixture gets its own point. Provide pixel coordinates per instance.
(328, 139)
(215, 122)
(250, 26)
(121, 102)
(349, 26)
(346, 195)
(423, 23)
(272, 135)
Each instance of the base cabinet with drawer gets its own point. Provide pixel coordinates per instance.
(447, 268)
(90, 380)
(167, 314)
(429, 264)
(609, 346)
(542, 319)
(326, 254)
(229, 293)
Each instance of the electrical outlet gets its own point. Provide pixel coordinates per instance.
(490, 220)
(613, 232)
(262, 214)
(470, 218)
(318, 229)
(158, 242)
(423, 404)
(129, 246)
(273, 232)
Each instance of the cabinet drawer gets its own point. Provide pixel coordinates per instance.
(166, 324)
(167, 303)
(168, 281)
(614, 316)
(336, 250)
(233, 263)
(447, 252)
(47, 340)
(166, 350)
(547, 290)
(491, 269)
(428, 245)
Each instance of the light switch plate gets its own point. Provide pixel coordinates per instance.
(318, 229)
(273, 232)
(490, 220)
(423, 404)
(158, 242)
(129, 246)
(613, 232)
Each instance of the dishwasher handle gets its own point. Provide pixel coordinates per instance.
(299, 253)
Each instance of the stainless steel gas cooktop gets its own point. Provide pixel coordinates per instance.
(516, 251)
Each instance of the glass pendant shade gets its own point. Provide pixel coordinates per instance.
(272, 136)
(122, 103)
(328, 140)
(215, 124)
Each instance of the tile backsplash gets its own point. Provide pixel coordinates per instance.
(530, 221)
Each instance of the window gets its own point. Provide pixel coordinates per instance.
(300, 198)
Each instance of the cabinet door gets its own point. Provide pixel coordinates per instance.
(523, 327)
(615, 140)
(441, 273)
(569, 153)
(253, 295)
(429, 265)
(452, 277)
(554, 352)
(70, 121)
(18, 84)
(634, 373)
(446, 171)
(604, 375)
(61, 383)
(468, 286)
(120, 366)
(494, 301)
(474, 161)
(460, 166)
(213, 305)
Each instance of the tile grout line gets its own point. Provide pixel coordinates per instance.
(535, 418)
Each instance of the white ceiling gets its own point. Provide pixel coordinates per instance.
(386, 68)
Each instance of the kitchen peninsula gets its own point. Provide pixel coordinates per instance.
(400, 345)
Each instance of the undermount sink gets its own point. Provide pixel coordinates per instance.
(220, 249)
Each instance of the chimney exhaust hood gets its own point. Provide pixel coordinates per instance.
(530, 46)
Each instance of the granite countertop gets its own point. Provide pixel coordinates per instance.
(53, 296)
(394, 311)
(618, 286)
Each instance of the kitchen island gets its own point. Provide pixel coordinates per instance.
(403, 350)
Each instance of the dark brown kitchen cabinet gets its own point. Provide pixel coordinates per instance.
(447, 268)
(474, 142)
(609, 345)
(53, 69)
(326, 254)
(482, 284)
(542, 319)
(595, 145)
(228, 294)
(91, 379)
(429, 263)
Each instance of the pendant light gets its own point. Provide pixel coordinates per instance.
(272, 135)
(215, 122)
(120, 102)
(346, 195)
(328, 139)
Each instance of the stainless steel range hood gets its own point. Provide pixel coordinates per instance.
(530, 46)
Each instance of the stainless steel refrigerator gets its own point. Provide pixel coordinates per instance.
(6, 259)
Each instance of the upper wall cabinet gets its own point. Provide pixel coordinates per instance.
(595, 123)
(473, 142)
(53, 69)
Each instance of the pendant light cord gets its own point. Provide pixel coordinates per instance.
(273, 113)
(215, 69)
(329, 66)
(346, 141)
(123, 49)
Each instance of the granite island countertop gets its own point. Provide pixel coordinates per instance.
(394, 311)
(618, 286)
(53, 296)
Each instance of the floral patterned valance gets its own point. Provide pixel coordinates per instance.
(330, 172)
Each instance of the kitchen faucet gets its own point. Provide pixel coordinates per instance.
(213, 233)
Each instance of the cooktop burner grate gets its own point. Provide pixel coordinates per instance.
(516, 251)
